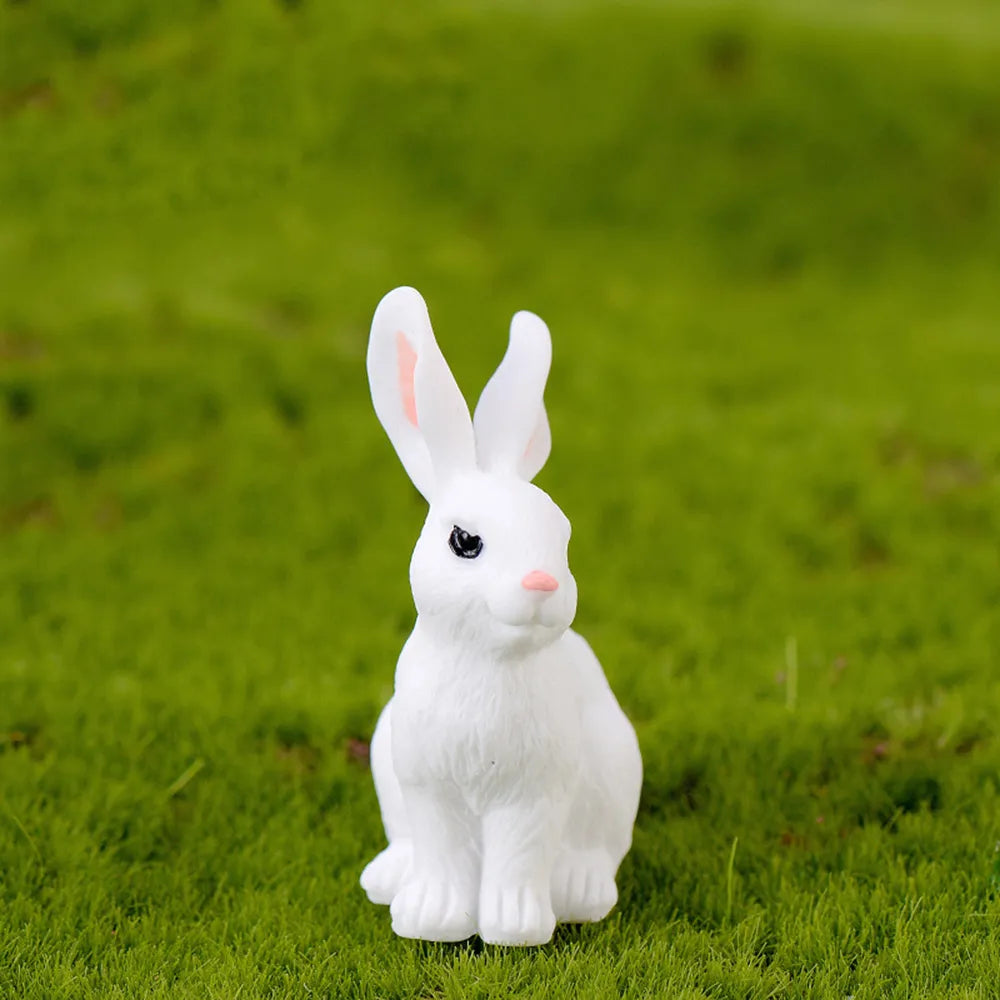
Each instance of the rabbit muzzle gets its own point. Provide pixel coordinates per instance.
(538, 602)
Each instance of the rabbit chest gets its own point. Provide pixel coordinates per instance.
(497, 730)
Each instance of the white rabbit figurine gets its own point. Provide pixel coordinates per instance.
(507, 775)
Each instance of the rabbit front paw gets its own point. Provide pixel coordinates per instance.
(583, 886)
(515, 915)
(433, 910)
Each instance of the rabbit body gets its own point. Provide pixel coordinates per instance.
(491, 730)
(507, 775)
(530, 776)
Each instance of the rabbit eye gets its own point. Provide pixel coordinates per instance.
(464, 545)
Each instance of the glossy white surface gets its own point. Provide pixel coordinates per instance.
(507, 775)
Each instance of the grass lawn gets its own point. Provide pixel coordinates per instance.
(766, 238)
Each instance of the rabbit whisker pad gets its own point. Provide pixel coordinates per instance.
(507, 775)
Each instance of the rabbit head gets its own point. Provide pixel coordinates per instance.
(491, 563)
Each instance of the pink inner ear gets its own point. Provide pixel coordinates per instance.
(531, 444)
(407, 358)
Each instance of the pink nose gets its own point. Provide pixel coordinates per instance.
(537, 580)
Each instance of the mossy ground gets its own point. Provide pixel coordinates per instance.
(766, 240)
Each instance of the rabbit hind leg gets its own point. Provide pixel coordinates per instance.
(385, 874)
(583, 885)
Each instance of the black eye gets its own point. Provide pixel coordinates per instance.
(464, 545)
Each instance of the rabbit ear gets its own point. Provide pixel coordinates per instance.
(512, 430)
(415, 395)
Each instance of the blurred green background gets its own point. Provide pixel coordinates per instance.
(765, 237)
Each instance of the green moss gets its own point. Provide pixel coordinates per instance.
(764, 237)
